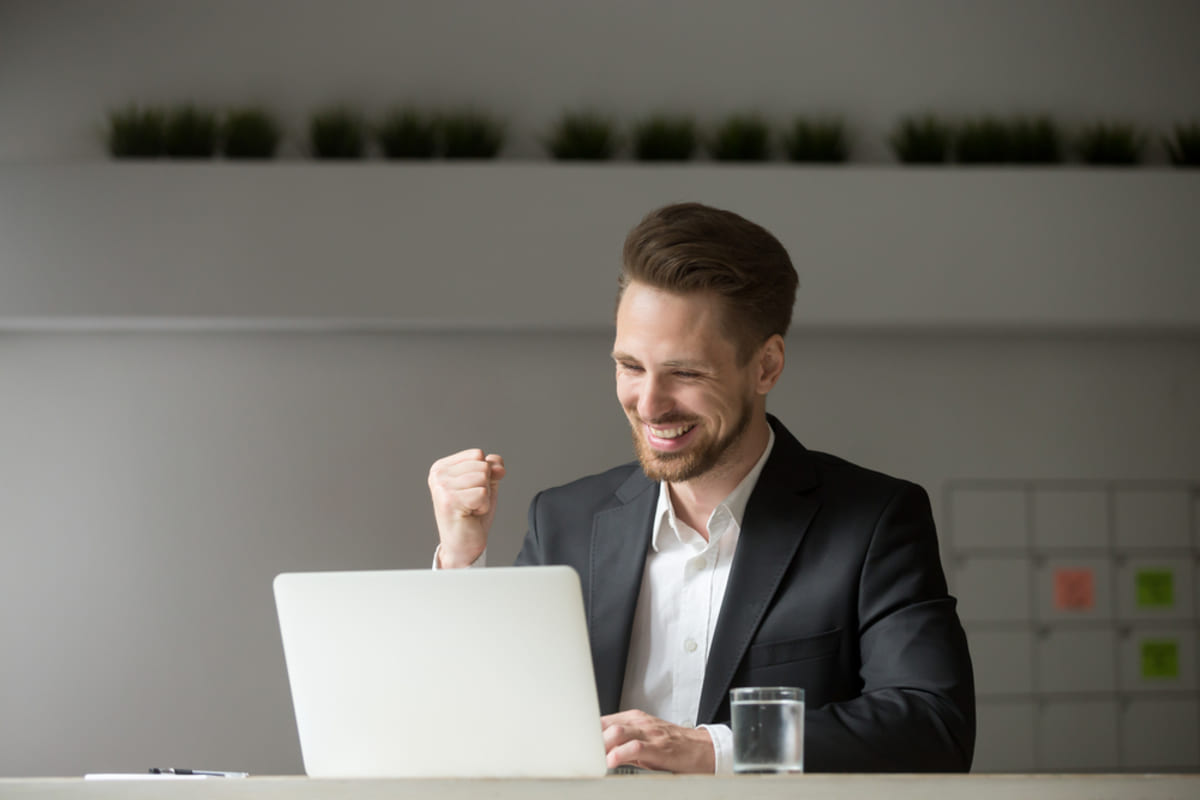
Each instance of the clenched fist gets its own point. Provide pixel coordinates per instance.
(463, 487)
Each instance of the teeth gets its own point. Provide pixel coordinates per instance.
(671, 433)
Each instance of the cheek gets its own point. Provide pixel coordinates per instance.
(626, 395)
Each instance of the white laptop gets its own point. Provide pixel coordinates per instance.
(455, 673)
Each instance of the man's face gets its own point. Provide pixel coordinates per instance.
(687, 399)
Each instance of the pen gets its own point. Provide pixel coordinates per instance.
(214, 773)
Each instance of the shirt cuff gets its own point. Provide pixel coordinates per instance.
(479, 562)
(722, 739)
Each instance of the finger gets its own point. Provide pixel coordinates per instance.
(614, 735)
(464, 476)
(470, 454)
(496, 464)
(460, 463)
(631, 752)
(472, 502)
(622, 717)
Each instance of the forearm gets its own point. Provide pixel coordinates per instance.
(891, 730)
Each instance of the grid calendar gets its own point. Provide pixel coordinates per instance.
(1082, 608)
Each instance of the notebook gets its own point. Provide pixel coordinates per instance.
(455, 673)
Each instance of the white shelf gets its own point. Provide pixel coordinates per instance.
(536, 245)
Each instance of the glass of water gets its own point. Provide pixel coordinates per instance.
(768, 729)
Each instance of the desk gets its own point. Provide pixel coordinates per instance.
(628, 787)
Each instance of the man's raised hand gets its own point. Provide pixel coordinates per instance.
(463, 488)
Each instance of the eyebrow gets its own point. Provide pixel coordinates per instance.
(685, 363)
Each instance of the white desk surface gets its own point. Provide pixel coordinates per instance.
(631, 787)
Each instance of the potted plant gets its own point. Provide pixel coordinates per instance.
(337, 133)
(923, 139)
(471, 134)
(665, 137)
(816, 141)
(190, 132)
(1111, 144)
(985, 140)
(741, 137)
(1183, 146)
(407, 133)
(582, 136)
(249, 133)
(1035, 140)
(135, 132)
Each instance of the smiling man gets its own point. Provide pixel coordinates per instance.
(728, 554)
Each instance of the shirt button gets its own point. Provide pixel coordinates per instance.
(698, 563)
(690, 645)
(688, 723)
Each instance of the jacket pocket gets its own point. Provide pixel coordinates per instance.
(816, 646)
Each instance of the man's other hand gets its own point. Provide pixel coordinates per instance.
(463, 488)
(635, 737)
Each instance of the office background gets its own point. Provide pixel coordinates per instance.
(212, 374)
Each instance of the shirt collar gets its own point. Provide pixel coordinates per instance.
(734, 505)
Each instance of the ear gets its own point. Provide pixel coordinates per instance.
(768, 364)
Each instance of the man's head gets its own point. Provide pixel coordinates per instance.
(705, 298)
(690, 248)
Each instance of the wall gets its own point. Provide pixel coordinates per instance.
(153, 482)
(65, 63)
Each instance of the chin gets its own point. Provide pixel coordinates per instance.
(674, 467)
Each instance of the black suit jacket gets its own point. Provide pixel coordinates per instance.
(836, 587)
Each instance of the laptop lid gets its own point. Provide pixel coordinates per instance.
(454, 673)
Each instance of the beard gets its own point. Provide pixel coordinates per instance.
(702, 457)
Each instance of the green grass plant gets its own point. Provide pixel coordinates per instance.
(337, 134)
(135, 132)
(406, 133)
(583, 136)
(1183, 145)
(190, 132)
(741, 137)
(471, 134)
(923, 139)
(1111, 144)
(1035, 140)
(665, 137)
(986, 140)
(816, 141)
(249, 133)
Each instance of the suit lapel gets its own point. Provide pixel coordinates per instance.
(620, 540)
(778, 515)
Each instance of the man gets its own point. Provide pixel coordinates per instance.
(729, 555)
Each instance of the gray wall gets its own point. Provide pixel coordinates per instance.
(152, 483)
(64, 63)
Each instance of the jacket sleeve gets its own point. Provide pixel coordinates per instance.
(531, 553)
(916, 712)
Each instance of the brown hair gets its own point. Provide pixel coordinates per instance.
(689, 247)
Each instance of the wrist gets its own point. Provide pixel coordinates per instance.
(457, 558)
(706, 751)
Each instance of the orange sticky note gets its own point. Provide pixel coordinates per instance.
(1074, 589)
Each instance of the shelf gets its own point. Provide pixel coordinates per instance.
(534, 245)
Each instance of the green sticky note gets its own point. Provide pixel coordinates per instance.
(1160, 658)
(1155, 588)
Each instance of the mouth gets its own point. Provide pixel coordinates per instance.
(670, 438)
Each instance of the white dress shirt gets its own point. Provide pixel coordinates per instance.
(683, 586)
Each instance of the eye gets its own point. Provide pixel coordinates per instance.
(627, 367)
(686, 374)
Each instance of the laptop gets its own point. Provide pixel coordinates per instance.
(439, 674)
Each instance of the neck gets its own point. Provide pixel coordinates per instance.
(695, 499)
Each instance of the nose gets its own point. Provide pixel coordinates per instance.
(654, 401)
